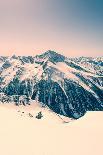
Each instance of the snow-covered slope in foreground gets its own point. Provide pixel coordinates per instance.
(24, 135)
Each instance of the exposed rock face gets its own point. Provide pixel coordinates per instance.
(69, 87)
(73, 100)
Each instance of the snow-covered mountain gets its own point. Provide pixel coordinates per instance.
(68, 86)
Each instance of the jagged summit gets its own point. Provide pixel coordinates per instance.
(52, 53)
(52, 56)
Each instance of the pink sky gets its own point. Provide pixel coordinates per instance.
(33, 26)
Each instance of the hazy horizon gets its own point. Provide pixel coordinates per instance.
(42, 52)
(73, 28)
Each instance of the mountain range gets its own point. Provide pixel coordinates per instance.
(68, 86)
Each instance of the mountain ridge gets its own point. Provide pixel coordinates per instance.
(69, 87)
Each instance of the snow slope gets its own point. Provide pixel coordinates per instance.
(23, 135)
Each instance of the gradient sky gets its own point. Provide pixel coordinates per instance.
(70, 27)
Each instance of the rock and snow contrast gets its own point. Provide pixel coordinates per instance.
(40, 99)
(67, 86)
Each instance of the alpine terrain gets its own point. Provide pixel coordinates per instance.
(67, 86)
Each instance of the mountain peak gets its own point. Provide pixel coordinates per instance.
(50, 52)
(53, 56)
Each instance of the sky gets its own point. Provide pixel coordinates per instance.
(71, 27)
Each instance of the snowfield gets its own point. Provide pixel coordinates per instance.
(68, 87)
(21, 134)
